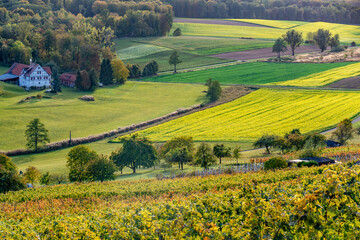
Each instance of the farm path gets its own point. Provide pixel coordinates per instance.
(218, 22)
(263, 53)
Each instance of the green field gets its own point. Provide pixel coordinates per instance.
(265, 111)
(253, 73)
(348, 33)
(192, 50)
(3, 69)
(272, 23)
(326, 77)
(113, 107)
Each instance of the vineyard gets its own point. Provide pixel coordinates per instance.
(271, 111)
(305, 203)
(324, 78)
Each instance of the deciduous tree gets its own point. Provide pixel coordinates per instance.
(343, 132)
(121, 73)
(136, 151)
(214, 91)
(267, 141)
(221, 151)
(279, 46)
(204, 156)
(77, 162)
(174, 59)
(101, 169)
(179, 155)
(322, 38)
(32, 175)
(36, 134)
(294, 39)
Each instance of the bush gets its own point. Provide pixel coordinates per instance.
(308, 164)
(275, 163)
(177, 32)
(150, 69)
(353, 44)
(338, 49)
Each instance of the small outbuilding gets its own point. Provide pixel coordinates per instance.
(68, 79)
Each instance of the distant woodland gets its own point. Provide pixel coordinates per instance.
(77, 34)
(299, 10)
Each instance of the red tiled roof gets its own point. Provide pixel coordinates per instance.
(17, 68)
(68, 77)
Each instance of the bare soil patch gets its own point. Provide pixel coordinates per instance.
(264, 53)
(218, 22)
(351, 54)
(348, 83)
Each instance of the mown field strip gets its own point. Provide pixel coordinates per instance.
(324, 78)
(138, 51)
(272, 111)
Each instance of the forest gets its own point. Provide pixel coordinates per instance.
(75, 34)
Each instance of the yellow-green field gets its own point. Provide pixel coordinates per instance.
(272, 23)
(348, 33)
(324, 78)
(271, 111)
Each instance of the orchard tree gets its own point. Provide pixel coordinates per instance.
(294, 39)
(177, 142)
(266, 141)
(237, 153)
(179, 155)
(36, 134)
(204, 156)
(77, 161)
(279, 46)
(174, 59)
(322, 38)
(136, 151)
(101, 169)
(343, 132)
(32, 175)
(121, 73)
(221, 151)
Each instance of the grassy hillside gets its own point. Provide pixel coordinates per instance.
(3, 69)
(324, 78)
(265, 111)
(272, 23)
(249, 73)
(348, 33)
(192, 50)
(282, 204)
(113, 107)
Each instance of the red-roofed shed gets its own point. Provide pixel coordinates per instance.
(68, 79)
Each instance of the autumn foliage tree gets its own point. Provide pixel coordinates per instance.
(120, 72)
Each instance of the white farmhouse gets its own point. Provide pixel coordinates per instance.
(35, 76)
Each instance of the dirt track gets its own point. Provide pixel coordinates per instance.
(349, 83)
(219, 22)
(264, 53)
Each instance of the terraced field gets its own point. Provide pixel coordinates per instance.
(324, 78)
(253, 73)
(270, 111)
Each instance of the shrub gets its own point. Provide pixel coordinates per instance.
(308, 164)
(275, 163)
(353, 44)
(177, 32)
(338, 49)
(150, 69)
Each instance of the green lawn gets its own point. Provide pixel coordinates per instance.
(253, 73)
(3, 69)
(113, 107)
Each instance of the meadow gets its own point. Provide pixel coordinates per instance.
(324, 78)
(281, 204)
(348, 33)
(272, 23)
(253, 73)
(265, 111)
(192, 50)
(114, 106)
(3, 69)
